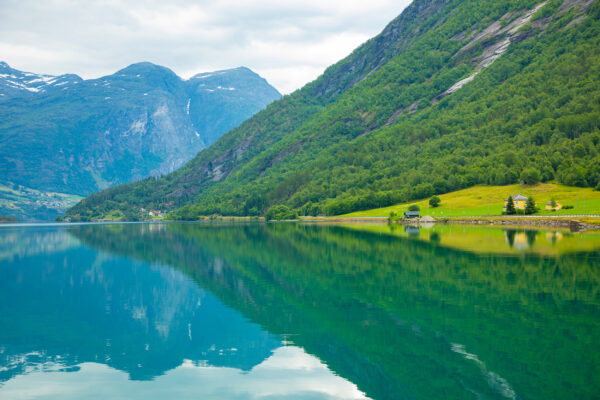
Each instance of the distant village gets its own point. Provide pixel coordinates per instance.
(50, 201)
(17, 197)
(152, 213)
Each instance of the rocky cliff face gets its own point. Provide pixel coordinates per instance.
(378, 51)
(65, 134)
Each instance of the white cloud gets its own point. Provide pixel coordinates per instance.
(289, 42)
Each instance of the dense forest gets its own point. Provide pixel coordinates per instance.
(389, 124)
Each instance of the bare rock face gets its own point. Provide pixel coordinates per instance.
(69, 135)
(378, 51)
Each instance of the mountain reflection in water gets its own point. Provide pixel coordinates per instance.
(320, 311)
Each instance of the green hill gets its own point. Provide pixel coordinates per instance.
(450, 95)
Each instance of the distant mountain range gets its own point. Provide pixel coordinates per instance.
(69, 135)
(450, 95)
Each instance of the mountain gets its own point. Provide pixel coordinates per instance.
(15, 83)
(69, 135)
(451, 94)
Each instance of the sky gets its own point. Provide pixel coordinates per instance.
(288, 42)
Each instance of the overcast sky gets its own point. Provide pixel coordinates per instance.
(289, 42)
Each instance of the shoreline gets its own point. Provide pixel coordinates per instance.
(575, 224)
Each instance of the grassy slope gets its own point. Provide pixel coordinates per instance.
(489, 200)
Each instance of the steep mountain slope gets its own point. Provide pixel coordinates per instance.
(240, 93)
(450, 94)
(69, 135)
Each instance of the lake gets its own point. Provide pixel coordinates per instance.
(298, 311)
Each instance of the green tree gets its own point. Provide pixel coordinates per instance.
(530, 207)
(510, 206)
(392, 217)
(414, 207)
(280, 212)
(510, 158)
(531, 176)
(434, 201)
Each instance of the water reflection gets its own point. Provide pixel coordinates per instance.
(412, 230)
(492, 240)
(392, 316)
(71, 315)
(521, 239)
(287, 373)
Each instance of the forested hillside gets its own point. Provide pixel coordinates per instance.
(451, 94)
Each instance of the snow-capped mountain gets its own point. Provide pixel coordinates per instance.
(69, 135)
(15, 83)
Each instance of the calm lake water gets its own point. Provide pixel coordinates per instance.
(298, 311)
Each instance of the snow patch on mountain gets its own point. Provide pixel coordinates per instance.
(161, 111)
(19, 81)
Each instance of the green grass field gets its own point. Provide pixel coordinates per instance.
(489, 200)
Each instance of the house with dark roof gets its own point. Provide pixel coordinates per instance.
(411, 214)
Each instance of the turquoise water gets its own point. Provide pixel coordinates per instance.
(255, 311)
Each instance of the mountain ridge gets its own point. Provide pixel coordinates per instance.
(159, 88)
(13, 82)
(69, 135)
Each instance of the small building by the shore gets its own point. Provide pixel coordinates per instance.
(411, 214)
(553, 207)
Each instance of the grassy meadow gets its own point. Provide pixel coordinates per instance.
(489, 200)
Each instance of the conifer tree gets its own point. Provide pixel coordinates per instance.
(530, 207)
(510, 206)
